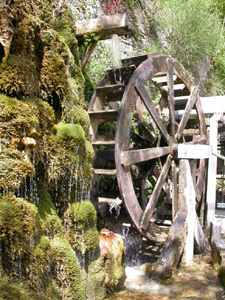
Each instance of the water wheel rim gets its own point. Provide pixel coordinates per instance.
(155, 64)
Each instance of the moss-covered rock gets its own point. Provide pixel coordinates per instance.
(112, 248)
(77, 115)
(80, 226)
(14, 168)
(35, 253)
(11, 290)
(51, 224)
(67, 270)
(95, 279)
(72, 134)
(20, 227)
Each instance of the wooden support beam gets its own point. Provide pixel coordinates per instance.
(172, 249)
(212, 170)
(104, 27)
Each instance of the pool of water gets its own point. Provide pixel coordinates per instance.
(198, 281)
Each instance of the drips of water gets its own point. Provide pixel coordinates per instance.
(116, 207)
(115, 40)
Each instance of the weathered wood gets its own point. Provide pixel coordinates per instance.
(104, 26)
(104, 171)
(152, 110)
(120, 75)
(116, 201)
(152, 69)
(211, 178)
(141, 155)
(112, 92)
(88, 54)
(171, 96)
(188, 193)
(188, 151)
(147, 214)
(174, 190)
(199, 238)
(103, 142)
(173, 248)
(213, 105)
(104, 115)
(191, 101)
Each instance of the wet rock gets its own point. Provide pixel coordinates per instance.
(112, 248)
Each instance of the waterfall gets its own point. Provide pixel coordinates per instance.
(116, 54)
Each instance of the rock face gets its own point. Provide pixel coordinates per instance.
(45, 158)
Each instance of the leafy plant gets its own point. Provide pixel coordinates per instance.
(191, 30)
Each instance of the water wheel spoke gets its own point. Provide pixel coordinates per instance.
(152, 110)
(140, 155)
(191, 101)
(147, 214)
(170, 85)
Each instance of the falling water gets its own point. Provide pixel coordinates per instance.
(116, 50)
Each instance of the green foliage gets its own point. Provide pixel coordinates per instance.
(100, 62)
(219, 7)
(130, 3)
(191, 31)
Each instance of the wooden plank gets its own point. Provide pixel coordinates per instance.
(162, 79)
(171, 96)
(136, 60)
(116, 201)
(199, 238)
(152, 110)
(189, 195)
(212, 168)
(188, 151)
(191, 101)
(112, 92)
(147, 214)
(174, 190)
(103, 142)
(191, 132)
(104, 171)
(172, 249)
(104, 26)
(120, 75)
(140, 155)
(104, 115)
(212, 105)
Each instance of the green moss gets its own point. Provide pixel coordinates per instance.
(89, 151)
(16, 117)
(72, 134)
(221, 274)
(67, 270)
(78, 115)
(80, 223)
(95, 288)
(50, 222)
(20, 225)
(14, 168)
(10, 290)
(17, 76)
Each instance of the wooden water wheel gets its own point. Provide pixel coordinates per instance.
(160, 109)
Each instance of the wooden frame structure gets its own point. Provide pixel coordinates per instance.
(157, 111)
